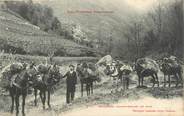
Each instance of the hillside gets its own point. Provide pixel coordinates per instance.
(24, 38)
(98, 26)
(113, 25)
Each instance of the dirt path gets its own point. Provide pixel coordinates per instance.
(90, 106)
(58, 100)
(151, 107)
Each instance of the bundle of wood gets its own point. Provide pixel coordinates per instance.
(42, 68)
(9, 73)
(126, 67)
(16, 67)
(172, 61)
(148, 63)
(54, 70)
(32, 72)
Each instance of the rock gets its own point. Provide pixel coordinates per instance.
(105, 60)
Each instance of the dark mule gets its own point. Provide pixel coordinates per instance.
(19, 87)
(146, 71)
(94, 76)
(87, 74)
(44, 83)
(169, 70)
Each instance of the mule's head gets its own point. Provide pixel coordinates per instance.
(137, 68)
(23, 78)
(110, 69)
(32, 74)
(165, 65)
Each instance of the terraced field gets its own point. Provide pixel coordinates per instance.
(17, 32)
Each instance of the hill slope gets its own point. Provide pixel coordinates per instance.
(104, 26)
(22, 37)
(96, 25)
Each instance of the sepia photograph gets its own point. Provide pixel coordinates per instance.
(91, 57)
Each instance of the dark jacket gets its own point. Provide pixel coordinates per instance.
(71, 80)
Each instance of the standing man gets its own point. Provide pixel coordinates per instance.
(71, 81)
(126, 70)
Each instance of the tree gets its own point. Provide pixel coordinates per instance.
(36, 14)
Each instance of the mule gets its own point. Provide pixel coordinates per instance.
(87, 78)
(169, 70)
(19, 88)
(44, 83)
(146, 72)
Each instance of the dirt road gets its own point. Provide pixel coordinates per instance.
(142, 107)
(105, 103)
(135, 101)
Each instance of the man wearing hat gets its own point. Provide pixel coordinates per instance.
(71, 81)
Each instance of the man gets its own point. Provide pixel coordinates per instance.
(71, 81)
(126, 70)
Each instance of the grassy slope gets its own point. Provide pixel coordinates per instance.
(17, 32)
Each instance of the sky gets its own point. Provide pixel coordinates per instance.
(140, 5)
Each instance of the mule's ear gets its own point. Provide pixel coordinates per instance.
(49, 68)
